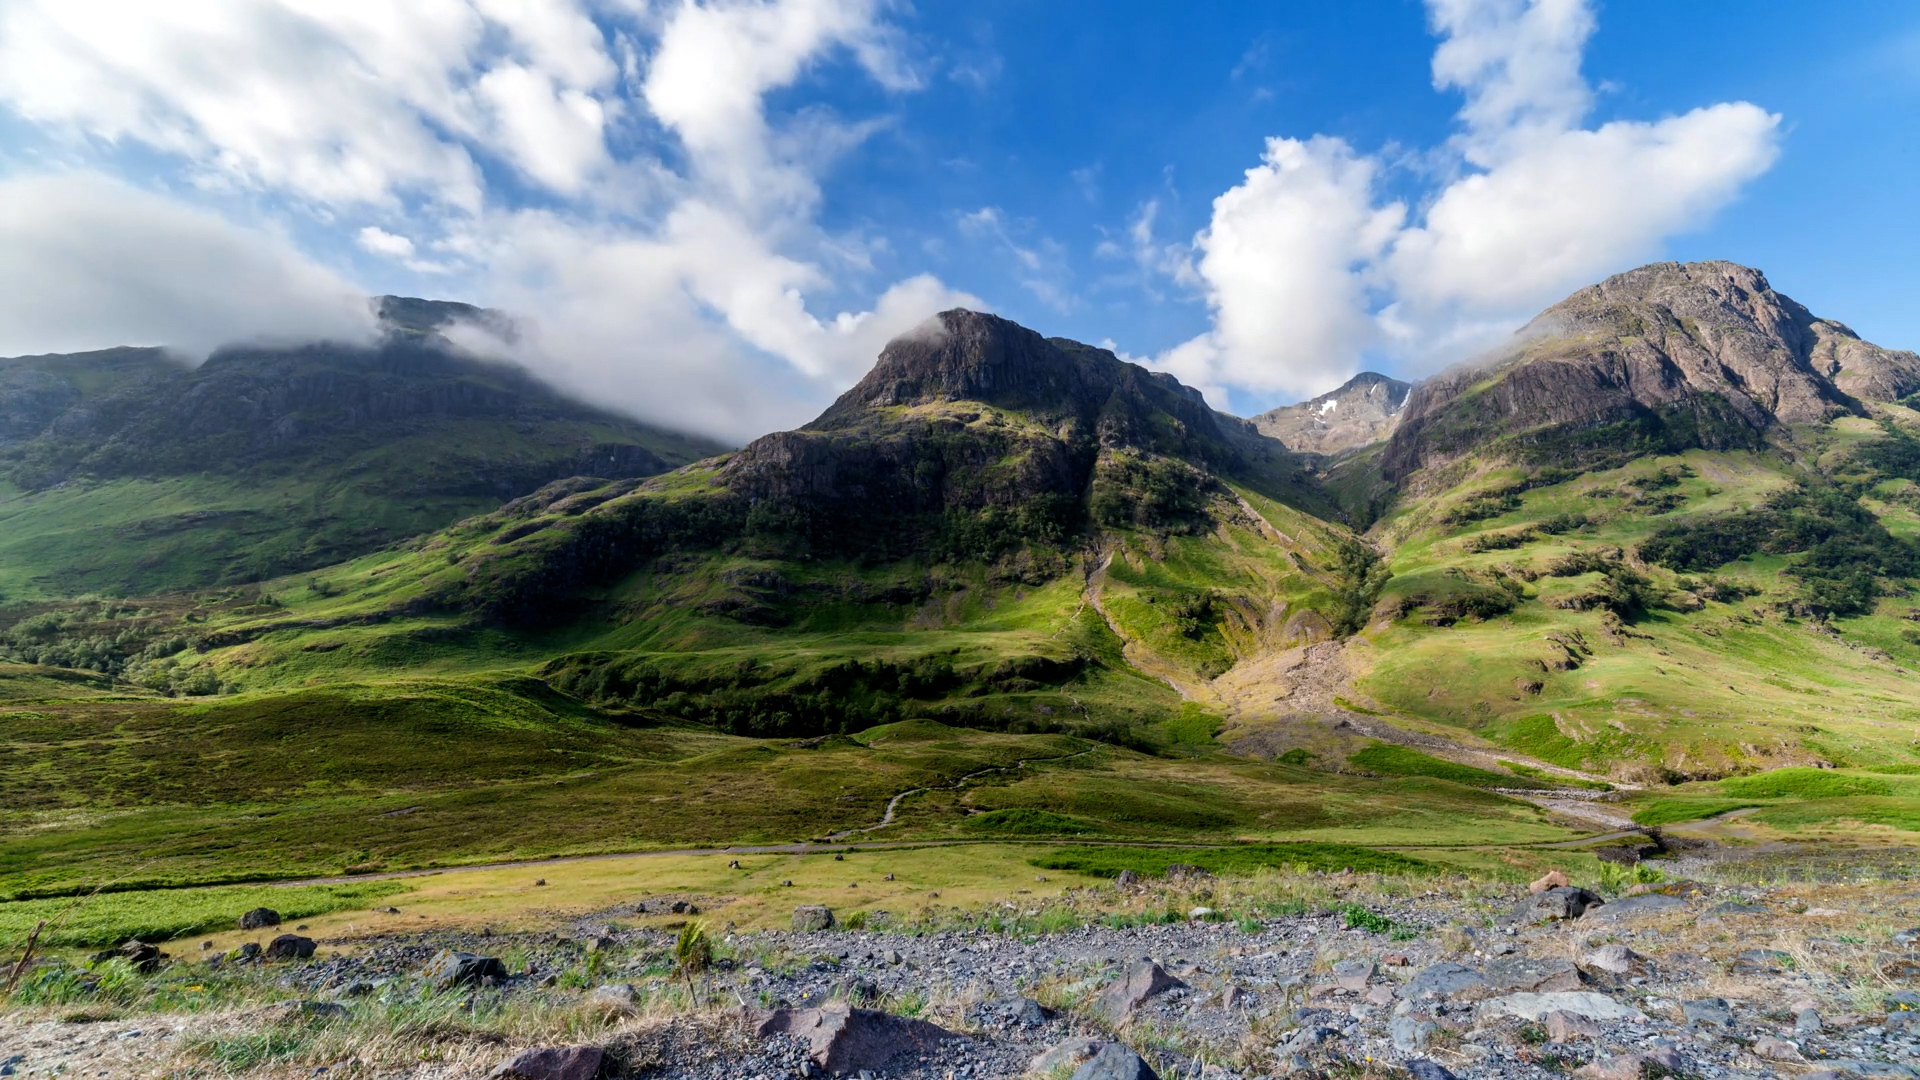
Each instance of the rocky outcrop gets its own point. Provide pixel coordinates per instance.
(1360, 413)
(1662, 358)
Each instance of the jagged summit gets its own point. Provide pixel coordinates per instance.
(1363, 411)
(1668, 356)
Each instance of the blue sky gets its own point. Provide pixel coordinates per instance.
(714, 214)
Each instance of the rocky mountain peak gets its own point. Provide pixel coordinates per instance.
(1660, 358)
(962, 355)
(1363, 411)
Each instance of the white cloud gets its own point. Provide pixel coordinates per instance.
(672, 260)
(1305, 268)
(90, 263)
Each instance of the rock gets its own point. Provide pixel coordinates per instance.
(1423, 1069)
(246, 952)
(1907, 937)
(143, 958)
(1127, 879)
(354, 988)
(1072, 1053)
(1127, 993)
(1903, 1023)
(1565, 1027)
(1200, 914)
(1807, 1022)
(1115, 1061)
(1554, 879)
(615, 997)
(1184, 872)
(1015, 1012)
(1410, 1034)
(1612, 959)
(1635, 907)
(1617, 1067)
(1444, 980)
(1708, 1012)
(598, 943)
(552, 1063)
(1772, 1049)
(1532, 975)
(1380, 994)
(1581, 1003)
(844, 1039)
(449, 969)
(289, 947)
(1761, 962)
(808, 917)
(259, 919)
(892, 958)
(1735, 907)
(1561, 902)
(1352, 975)
(1233, 997)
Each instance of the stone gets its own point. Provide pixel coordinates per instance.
(1234, 997)
(1565, 1027)
(1773, 1049)
(1538, 976)
(615, 997)
(844, 1039)
(1072, 1053)
(450, 968)
(1380, 994)
(1761, 962)
(1142, 981)
(1184, 872)
(289, 947)
(1410, 1033)
(1424, 1069)
(1613, 959)
(552, 1063)
(1550, 905)
(1115, 1061)
(1807, 1022)
(1580, 1003)
(1016, 1012)
(1907, 937)
(246, 952)
(598, 943)
(893, 958)
(1444, 980)
(1352, 975)
(1616, 1067)
(809, 917)
(354, 988)
(259, 919)
(1708, 1012)
(1553, 879)
(1901, 1022)
(142, 957)
(1200, 914)
(1635, 907)
(1127, 879)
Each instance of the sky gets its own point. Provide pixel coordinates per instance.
(712, 214)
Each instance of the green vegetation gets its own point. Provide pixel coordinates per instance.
(1241, 860)
(159, 915)
(1022, 821)
(1674, 811)
(1803, 784)
(1390, 760)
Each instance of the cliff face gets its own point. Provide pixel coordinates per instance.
(1360, 413)
(1659, 358)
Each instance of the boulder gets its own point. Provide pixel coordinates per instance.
(1612, 959)
(845, 1039)
(289, 947)
(1184, 872)
(449, 969)
(1410, 1033)
(1538, 976)
(615, 997)
(1806, 1021)
(1352, 975)
(1444, 980)
(246, 952)
(1560, 902)
(1142, 981)
(810, 917)
(1553, 879)
(1636, 907)
(1579, 1003)
(1127, 879)
(1115, 1061)
(551, 1063)
(144, 958)
(1774, 1049)
(1708, 1012)
(259, 919)
(1423, 1069)
(1616, 1067)
(1069, 1054)
(1565, 1027)
(1761, 962)
(1013, 1012)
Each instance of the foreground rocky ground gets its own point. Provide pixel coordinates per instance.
(1189, 977)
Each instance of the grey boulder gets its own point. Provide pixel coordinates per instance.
(1564, 902)
(1444, 980)
(1115, 1061)
(449, 969)
(259, 919)
(1636, 907)
(1142, 981)
(551, 1063)
(809, 917)
(844, 1039)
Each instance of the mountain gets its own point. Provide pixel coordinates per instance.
(1668, 537)
(126, 472)
(1656, 360)
(1360, 413)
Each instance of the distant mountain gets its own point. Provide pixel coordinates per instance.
(1360, 413)
(1665, 358)
(124, 471)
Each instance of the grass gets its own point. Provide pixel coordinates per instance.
(159, 915)
(1803, 784)
(1390, 760)
(1674, 811)
(1239, 860)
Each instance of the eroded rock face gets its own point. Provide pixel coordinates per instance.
(1680, 354)
(843, 1039)
(1360, 413)
(1143, 980)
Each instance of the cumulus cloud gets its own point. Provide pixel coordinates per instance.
(1306, 269)
(90, 263)
(608, 172)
